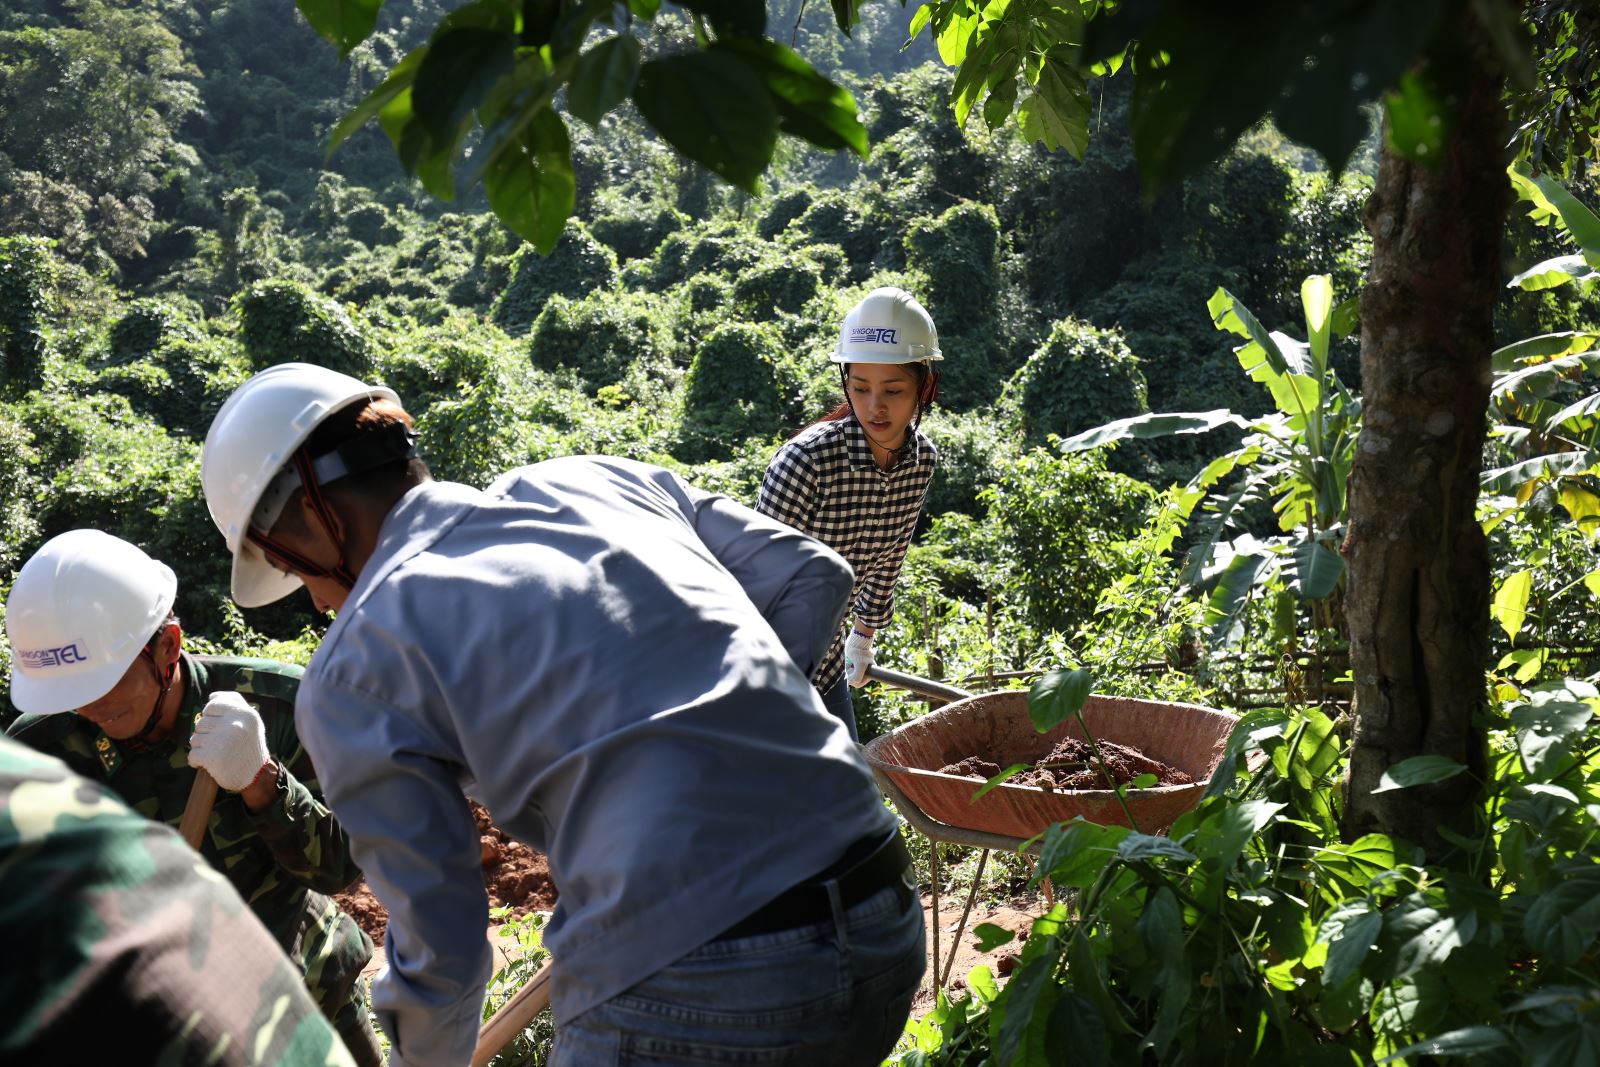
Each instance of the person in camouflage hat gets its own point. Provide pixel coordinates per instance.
(124, 947)
(91, 629)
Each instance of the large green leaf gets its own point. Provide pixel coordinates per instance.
(1466, 1042)
(1151, 846)
(1510, 605)
(712, 107)
(530, 183)
(1076, 1034)
(1056, 110)
(342, 23)
(1543, 346)
(809, 105)
(1074, 853)
(1562, 923)
(1153, 424)
(1546, 731)
(604, 78)
(1507, 479)
(461, 67)
(1418, 770)
(1350, 931)
(1425, 938)
(1222, 838)
(1057, 697)
(1579, 221)
(1555, 272)
(1228, 599)
(1347, 869)
(1421, 119)
(1317, 570)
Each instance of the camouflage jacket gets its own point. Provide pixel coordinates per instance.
(122, 947)
(282, 860)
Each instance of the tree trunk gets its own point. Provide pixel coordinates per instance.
(1418, 596)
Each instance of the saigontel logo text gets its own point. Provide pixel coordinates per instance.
(881, 335)
(64, 656)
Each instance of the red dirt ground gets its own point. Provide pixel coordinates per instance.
(514, 875)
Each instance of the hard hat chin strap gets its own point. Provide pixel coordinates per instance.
(308, 568)
(395, 442)
(164, 680)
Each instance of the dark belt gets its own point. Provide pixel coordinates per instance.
(867, 866)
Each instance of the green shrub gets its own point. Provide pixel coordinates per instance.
(1079, 378)
(782, 210)
(285, 322)
(835, 218)
(637, 235)
(599, 336)
(731, 392)
(786, 284)
(18, 487)
(145, 326)
(972, 448)
(577, 265)
(1061, 523)
(728, 250)
(27, 304)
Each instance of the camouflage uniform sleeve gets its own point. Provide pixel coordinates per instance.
(304, 835)
(121, 922)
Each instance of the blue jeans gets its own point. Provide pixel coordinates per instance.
(837, 700)
(832, 994)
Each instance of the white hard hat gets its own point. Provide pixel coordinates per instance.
(250, 441)
(888, 326)
(78, 614)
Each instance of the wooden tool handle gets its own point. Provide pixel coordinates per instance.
(197, 812)
(514, 1016)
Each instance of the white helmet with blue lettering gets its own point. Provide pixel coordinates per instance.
(79, 613)
(888, 326)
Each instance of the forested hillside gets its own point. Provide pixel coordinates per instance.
(172, 222)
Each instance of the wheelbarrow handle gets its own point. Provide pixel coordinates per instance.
(921, 686)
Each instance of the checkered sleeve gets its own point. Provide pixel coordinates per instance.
(874, 604)
(789, 488)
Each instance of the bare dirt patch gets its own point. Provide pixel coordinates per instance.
(514, 876)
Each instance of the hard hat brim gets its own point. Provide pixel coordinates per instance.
(52, 697)
(885, 358)
(257, 583)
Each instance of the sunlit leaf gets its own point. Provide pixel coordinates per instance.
(1418, 770)
(1510, 605)
(1057, 697)
(1555, 272)
(530, 183)
(1141, 427)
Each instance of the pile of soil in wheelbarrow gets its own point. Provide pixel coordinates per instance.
(514, 875)
(1072, 765)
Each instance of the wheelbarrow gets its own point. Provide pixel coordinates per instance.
(996, 726)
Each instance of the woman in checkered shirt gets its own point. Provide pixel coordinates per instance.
(856, 479)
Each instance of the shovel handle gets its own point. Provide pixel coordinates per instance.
(197, 811)
(921, 686)
(514, 1016)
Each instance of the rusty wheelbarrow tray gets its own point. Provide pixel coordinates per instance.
(996, 726)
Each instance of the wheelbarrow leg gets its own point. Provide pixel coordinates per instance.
(933, 871)
(961, 928)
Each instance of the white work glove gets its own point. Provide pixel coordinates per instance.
(857, 657)
(229, 742)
